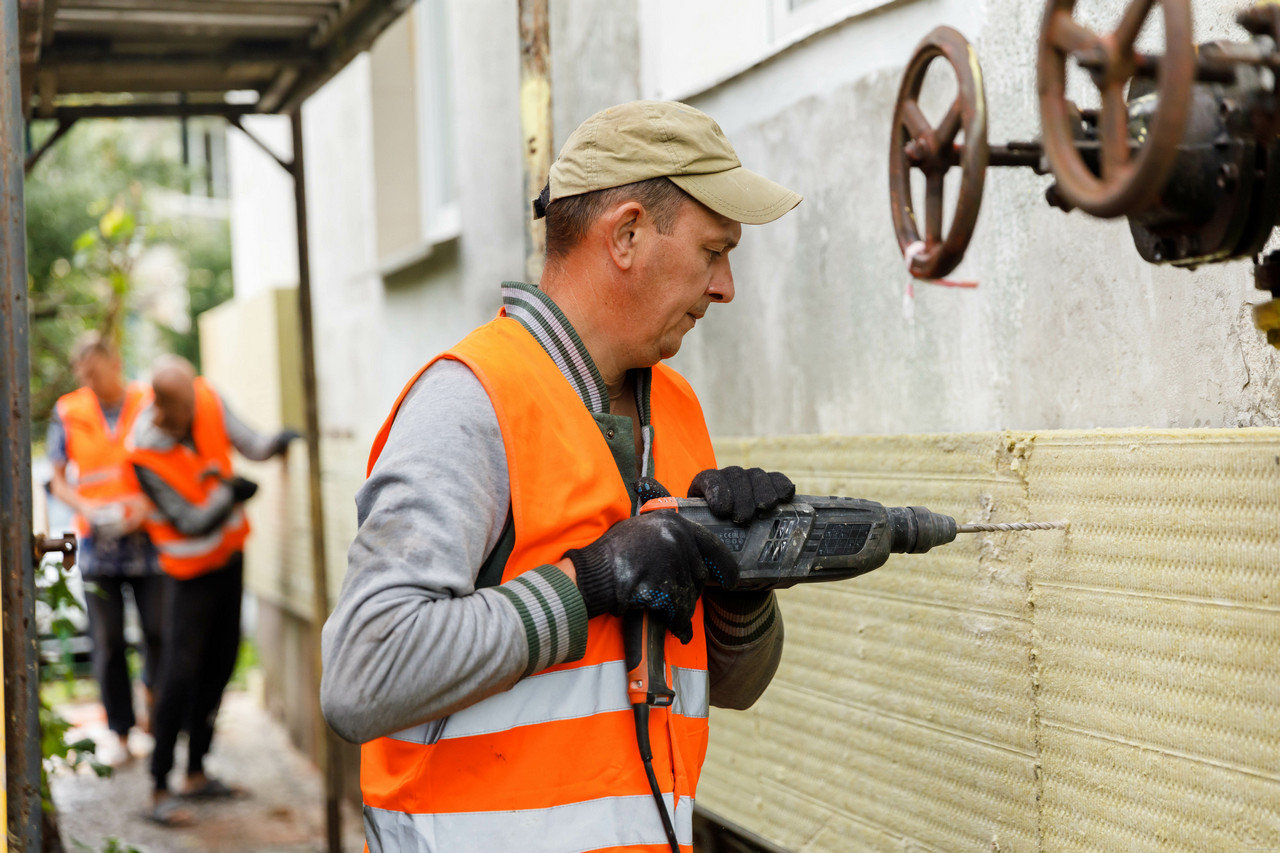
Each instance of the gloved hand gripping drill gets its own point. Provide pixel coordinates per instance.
(743, 530)
(651, 569)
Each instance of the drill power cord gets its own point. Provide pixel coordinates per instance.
(641, 712)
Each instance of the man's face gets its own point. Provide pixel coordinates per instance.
(101, 374)
(684, 272)
(175, 407)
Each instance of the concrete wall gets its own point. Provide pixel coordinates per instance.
(1068, 328)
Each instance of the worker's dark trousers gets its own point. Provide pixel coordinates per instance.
(201, 643)
(105, 606)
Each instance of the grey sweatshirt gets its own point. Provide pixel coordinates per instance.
(412, 640)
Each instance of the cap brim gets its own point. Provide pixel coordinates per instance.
(739, 194)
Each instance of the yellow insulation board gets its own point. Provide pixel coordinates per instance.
(1115, 687)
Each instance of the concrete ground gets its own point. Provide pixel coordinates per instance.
(282, 811)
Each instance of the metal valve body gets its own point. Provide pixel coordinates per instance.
(1223, 197)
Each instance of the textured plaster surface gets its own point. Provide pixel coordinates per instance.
(595, 59)
(1110, 688)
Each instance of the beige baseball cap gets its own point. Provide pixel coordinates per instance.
(640, 140)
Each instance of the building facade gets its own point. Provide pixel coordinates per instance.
(1104, 689)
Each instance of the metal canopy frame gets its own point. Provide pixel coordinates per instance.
(281, 51)
(68, 60)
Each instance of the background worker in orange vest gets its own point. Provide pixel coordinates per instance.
(87, 434)
(180, 448)
(476, 648)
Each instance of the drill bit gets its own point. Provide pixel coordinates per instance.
(1014, 525)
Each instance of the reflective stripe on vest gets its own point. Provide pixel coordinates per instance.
(102, 475)
(563, 738)
(606, 823)
(564, 694)
(693, 692)
(193, 547)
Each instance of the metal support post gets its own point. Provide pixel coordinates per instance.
(535, 123)
(326, 743)
(17, 581)
(184, 131)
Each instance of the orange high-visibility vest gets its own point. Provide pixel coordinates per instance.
(552, 763)
(103, 472)
(195, 475)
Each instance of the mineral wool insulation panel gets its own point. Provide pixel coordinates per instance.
(1115, 687)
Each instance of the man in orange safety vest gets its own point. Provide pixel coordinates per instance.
(180, 449)
(476, 650)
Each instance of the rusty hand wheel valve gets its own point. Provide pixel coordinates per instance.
(1185, 145)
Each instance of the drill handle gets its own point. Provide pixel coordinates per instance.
(644, 635)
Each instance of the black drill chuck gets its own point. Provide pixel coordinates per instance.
(916, 529)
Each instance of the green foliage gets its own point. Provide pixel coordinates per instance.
(115, 845)
(246, 661)
(54, 595)
(207, 254)
(56, 747)
(94, 207)
(110, 845)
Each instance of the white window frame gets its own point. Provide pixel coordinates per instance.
(439, 214)
(788, 23)
(437, 160)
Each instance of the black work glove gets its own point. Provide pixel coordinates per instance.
(741, 493)
(242, 489)
(281, 443)
(658, 561)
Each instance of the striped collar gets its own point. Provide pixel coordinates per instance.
(534, 310)
(543, 319)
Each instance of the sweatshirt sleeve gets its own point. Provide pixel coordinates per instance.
(744, 645)
(188, 518)
(411, 639)
(251, 443)
(55, 443)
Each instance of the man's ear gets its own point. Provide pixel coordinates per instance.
(622, 232)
